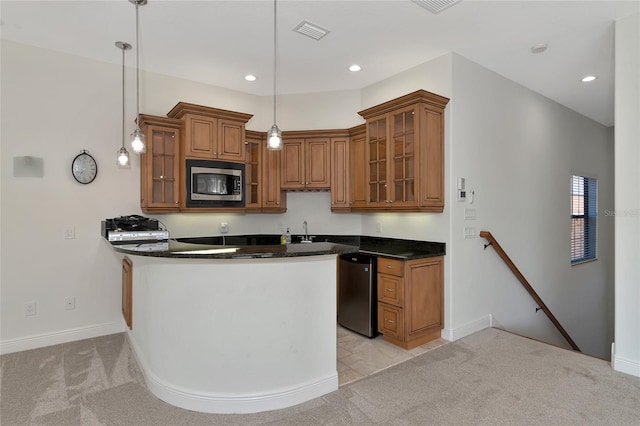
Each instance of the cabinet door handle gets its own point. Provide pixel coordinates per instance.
(390, 321)
(389, 267)
(389, 289)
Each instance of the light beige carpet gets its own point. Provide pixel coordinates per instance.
(489, 378)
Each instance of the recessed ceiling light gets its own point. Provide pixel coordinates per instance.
(250, 77)
(355, 68)
(539, 48)
(588, 78)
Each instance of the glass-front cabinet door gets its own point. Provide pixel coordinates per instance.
(163, 168)
(377, 147)
(403, 156)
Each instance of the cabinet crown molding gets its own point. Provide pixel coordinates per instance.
(154, 120)
(306, 134)
(183, 108)
(419, 96)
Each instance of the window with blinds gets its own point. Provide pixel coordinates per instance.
(584, 212)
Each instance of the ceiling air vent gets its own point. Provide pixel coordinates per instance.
(435, 6)
(311, 30)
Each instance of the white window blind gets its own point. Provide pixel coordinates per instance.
(584, 212)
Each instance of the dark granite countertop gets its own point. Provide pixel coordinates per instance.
(268, 246)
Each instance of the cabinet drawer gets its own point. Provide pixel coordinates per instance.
(390, 322)
(390, 266)
(390, 289)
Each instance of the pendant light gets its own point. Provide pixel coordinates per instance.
(274, 135)
(123, 154)
(137, 137)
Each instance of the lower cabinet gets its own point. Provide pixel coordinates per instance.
(410, 300)
(127, 291)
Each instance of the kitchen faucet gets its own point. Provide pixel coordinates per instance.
(306, 238)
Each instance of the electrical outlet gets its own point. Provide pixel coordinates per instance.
(29, 308)
(69, 303)
(69, 232)
(224, 228)
(379, 227)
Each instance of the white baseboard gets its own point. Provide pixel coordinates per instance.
(467, 329)
(232, 404)
(624, 365)
(58, 337)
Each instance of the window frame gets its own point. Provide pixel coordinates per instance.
(589, 216)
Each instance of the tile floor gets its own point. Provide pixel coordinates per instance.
(360, 356)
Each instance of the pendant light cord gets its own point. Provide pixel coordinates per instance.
(275, 20)
(124, 47)
(137, 65)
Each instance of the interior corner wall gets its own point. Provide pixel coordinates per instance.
(516, 149)
(626, 356)
(433, 76)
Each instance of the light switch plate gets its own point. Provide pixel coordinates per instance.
(469, 232)
(469, 213)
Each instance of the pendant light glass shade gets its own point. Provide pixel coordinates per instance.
(137, 141)
(123, 154)
(274, 135)
(123, 157)
(274, 138)
(137, 137)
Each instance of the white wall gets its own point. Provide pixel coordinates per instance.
(516, 150)
(55, 105)
(627, 206)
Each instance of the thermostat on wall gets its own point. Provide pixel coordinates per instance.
(462, 193)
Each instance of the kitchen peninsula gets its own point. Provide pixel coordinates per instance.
(241, 325)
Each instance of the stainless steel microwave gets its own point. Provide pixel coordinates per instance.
(214, 184)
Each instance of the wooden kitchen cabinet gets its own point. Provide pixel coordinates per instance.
(340, 163)
(358, 165)
(253, 170)
(211, 133)
(410, 300)
(340, 185)
(127, 291)
(262, 176)
(404, 152)
(305, 162)
(160, 175)
(274, 200)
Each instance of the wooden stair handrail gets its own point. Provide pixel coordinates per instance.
(492, 241)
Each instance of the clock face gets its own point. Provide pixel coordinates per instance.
(84, 168)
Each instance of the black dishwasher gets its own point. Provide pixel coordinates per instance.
(357, 293)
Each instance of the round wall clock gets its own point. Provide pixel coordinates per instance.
(84, 168)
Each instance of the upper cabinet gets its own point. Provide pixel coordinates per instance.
(404, 155)
(305, 161)
(358, 167)
(274, 199)
(394, 162)
(262, 176)
(253, 171)
(160, 165)
(211, 133)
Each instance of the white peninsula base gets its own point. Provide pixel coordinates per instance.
(235, 335)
